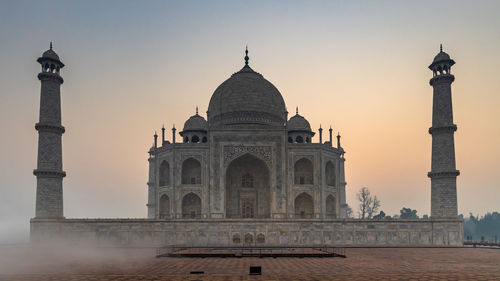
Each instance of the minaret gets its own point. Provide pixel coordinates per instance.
(443, 172)
(151, 205)
(49, 173)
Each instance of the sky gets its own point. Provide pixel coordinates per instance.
(359, 66)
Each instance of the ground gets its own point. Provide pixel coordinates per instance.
(51, 263)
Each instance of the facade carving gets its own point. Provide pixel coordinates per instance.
(233, 151)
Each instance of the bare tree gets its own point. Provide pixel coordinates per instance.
(368, 205)
(373, 208)
(364, 199)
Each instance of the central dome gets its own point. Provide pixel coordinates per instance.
(246, 98)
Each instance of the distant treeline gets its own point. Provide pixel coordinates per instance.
(485, 228)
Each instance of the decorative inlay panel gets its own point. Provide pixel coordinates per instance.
(233, 151)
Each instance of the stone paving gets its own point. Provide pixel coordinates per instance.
(360, 264)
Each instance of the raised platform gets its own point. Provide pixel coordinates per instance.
(263, 232)
(240, 252)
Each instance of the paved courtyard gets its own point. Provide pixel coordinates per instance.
(25, 263)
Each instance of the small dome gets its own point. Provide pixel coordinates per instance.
(50, 54)
(298, 123)
(195, 123)
(442, 56)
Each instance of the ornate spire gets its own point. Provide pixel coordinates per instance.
(338, 140)
(246, 56)
(320, 134)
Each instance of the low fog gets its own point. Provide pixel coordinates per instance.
(27, 258)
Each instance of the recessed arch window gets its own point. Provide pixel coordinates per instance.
(195, 139)
(191, 171)
(299, 139)
(164, 173)
(303, 171)
(330, 174)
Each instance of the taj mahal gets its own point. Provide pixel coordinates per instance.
(249, 173)
(248, 160)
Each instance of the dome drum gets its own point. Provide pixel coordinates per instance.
(246, 117)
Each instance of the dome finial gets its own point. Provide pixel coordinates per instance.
(297, 110)
(196, 110)
(246, 55)
(440, 47)
(51, 45)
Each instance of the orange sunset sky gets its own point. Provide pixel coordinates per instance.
(359, 66)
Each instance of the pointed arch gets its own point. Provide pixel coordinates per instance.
(248, 238)
(247, 185)
(261, 238)
(164, 207)
(164, 173)
(236, 238)
(304, 206)
(330, 173)
(331, 207)
(191, 206)
(303, 171)
(191, 171)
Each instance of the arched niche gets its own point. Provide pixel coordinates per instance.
(331, 207)
(304, 206)
(191, 206)
(164, 207)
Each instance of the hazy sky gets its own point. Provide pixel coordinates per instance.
(360, 66)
